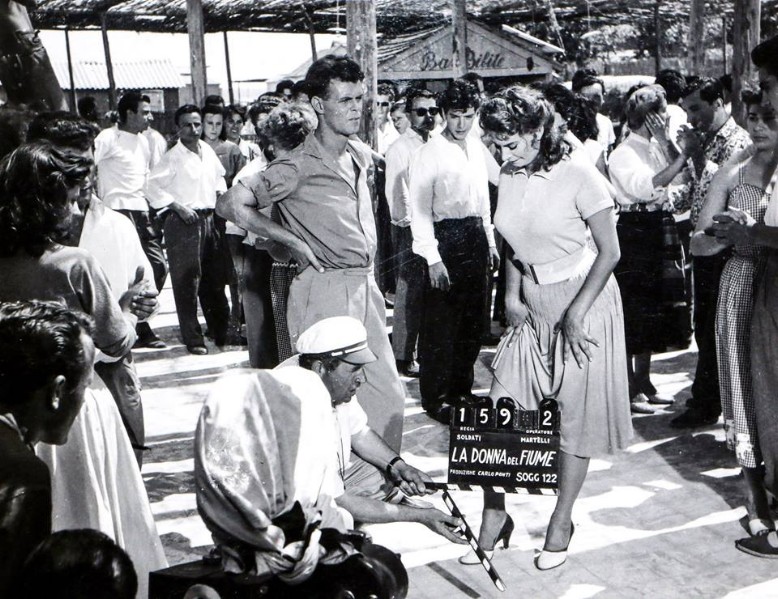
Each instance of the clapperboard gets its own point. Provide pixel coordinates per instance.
(503, 448)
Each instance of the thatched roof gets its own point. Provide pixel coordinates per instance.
(393, 16)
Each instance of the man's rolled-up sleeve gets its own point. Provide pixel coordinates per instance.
(274, 184)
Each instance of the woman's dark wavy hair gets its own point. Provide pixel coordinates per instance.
(520, 110)
(34, 206)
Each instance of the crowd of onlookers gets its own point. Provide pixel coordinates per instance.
(521, 217)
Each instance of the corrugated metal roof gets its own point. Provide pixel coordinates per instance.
(141, 74)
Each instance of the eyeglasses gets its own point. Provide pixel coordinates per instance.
(422, 112)
(382, 104)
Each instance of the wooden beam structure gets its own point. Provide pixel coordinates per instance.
(229, 68)
(745, 36)
(196, 30)
(70, 71)
(108, 64)
(657, 37)
(459, 25)
(362, 47)
(311, 30)
(695, 59)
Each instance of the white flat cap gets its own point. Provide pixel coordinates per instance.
(341, 337)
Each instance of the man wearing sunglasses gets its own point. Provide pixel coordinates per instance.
(452, 230)
(421, 108)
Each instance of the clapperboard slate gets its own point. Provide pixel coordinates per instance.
(504, 448)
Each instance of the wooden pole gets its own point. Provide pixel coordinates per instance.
(70, 71)
(196, 30)
(459, 26)
(696, 56)
(724, 41)
(311, 31)
(554, 23)
(745, 35)
(657, 39)
(108, 62)
(229, 69)
(361, 36)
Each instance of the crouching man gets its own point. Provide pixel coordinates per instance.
(378, 486)
(275, 481)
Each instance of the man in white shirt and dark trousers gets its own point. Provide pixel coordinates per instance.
(421, 108)
(122, 156)
(184, 187)
(452, 230)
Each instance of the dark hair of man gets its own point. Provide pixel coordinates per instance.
(287, 125)
(328, 69)
(561, 98)
(34, 204)
(520, 110)
(726, 82)
(386, 89)
(306, 361)
(284, 84)
(75, 564)
(765, 55)
(300, 87)
(86, 106)
(460, 95)
(416, 92)
(673, 83)
(710, 89)
(268, 101)
(583, 122)
(213, 100)
(130, 101)
(63, 129)
(751, 96)
(472, 77)
(38, 341)
(584, 78)
(186, 109)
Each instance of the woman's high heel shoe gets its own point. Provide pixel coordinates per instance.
(548, 560)
(471, 559)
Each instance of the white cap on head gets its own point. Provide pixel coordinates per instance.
(341, 337)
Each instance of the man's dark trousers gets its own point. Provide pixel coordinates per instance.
(452, 325)
(706, 273)
(197, 270)
(409, 297)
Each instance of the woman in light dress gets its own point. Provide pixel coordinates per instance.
(549, 198)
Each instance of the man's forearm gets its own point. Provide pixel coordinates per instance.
(373, 511)
(372, 448)
(238, 206)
